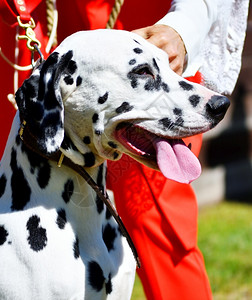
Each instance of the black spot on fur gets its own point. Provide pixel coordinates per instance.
(48, 129)
(54, 66)
(68, 190)
(136, 42)
(86, 140)
(133, 80)
(68, 80)
(112, 144)
(3, 182)
(76, 248)
(31, 87)
(186, 86)
(153, 84)
(155, 65)
(119, 231)
(132, 62)
(21, 191)
(179, 121)
(37, 238)
(142, 72)
(40, 164)
(103, 98)
(177, 111)
(109, 235)
(89, 159)
(43, 114)
(95, 117)
(61, 218)
(194, 100)
(98, 132)
(166, 123)
(124, 107)
(108, 285)
(51, 124)
(37, 110)
(95, 276)
(108, 214)
(3, 235)
(29, 91)
(138, 50)
(99, 181)
(72, 67)
(18, 140)
(165, 87)
(78, 80)
(67, 144)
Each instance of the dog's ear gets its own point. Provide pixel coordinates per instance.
(40, 103)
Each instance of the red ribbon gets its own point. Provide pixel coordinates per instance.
(9, 10)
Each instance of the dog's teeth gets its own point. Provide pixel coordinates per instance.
(190, 146)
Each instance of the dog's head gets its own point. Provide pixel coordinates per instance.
(107, 92)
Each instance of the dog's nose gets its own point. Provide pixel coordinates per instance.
(217, 106)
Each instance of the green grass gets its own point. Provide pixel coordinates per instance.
(138, 293)
(225, 239)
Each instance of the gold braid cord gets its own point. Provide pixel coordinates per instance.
(114, 14)
(50, 6)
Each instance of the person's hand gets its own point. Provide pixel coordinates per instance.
(167, 39)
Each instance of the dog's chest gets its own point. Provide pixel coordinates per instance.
(37, 259)
(56, 240)
(43, 257)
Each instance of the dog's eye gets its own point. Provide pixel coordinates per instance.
(143, 70)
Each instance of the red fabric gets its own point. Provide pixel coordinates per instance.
(7, 44)
(160, 215)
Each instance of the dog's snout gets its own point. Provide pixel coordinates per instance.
(217, 106)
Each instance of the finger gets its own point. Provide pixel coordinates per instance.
(177, 66)
(159, 39)
(143, 32)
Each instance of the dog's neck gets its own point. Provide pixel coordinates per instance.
(34, 167)
(82, 191)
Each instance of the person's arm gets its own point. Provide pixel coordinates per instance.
(211, 31)
(192, 20)
(181, 33)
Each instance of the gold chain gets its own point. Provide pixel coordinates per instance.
(30, 35)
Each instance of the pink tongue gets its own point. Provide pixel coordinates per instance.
(176, 161)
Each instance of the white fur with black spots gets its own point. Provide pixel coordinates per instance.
(100, 94)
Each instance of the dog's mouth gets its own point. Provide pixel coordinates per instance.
(171, 156)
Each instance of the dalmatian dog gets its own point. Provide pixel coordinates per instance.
(99, 94)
